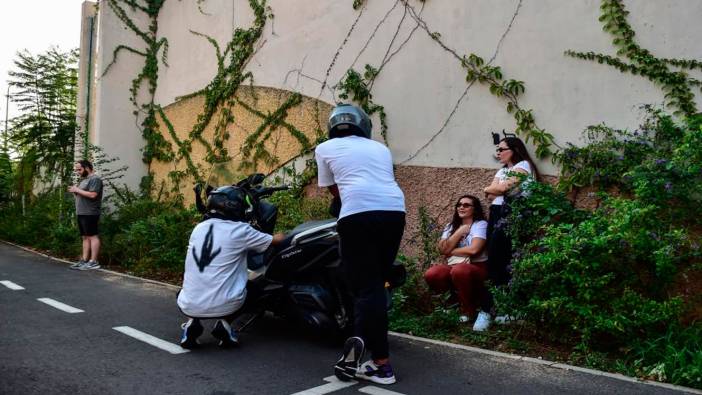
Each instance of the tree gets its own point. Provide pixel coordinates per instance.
(45, 88)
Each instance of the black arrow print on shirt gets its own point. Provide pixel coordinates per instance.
(206, 254)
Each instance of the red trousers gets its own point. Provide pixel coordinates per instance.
(467, 280)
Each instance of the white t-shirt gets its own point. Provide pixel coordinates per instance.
(214, 284)
(502, 176)
(478, 230)
(362, 169)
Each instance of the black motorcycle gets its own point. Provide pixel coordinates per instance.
(300, 279)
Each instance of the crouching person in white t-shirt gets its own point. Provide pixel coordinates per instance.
(214, 283)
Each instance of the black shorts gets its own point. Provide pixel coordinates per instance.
(88, 225)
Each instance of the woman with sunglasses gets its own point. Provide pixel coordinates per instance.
(463, 244)
(506, 185)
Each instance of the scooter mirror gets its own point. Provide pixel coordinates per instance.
(256, 179)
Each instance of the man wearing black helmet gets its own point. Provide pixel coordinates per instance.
(359, 171)
(214, 282)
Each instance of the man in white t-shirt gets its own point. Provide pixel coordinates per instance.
(359, 171)
(214, 282)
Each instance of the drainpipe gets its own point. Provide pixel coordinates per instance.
(91, 22)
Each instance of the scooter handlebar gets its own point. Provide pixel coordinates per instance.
(268, 191)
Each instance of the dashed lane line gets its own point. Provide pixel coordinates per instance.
(334, 384)
(151, 340)
(61, 306)
(11, 285)
(377, 391)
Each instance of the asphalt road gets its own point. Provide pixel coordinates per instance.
(46, 350)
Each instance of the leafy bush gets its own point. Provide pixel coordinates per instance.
(47, 223)
(294, 209)
(146, 236)
(606, 280)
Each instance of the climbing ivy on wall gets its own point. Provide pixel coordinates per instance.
(254, 149)
(156, 146)
(357, 87)
(219, 95)
(510, 90)
(676, 84)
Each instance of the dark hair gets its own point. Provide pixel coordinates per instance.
(478, 215)
(520, 153)
(85, 164)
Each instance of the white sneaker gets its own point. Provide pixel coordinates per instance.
(380, 374)
(463, 318)
(482, 323)
(90, 265)
(78, 264)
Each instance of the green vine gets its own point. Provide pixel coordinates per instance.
(677, 85)
(510, 90)
(184, 147)
(357, 87)
(156, 146)
(358, 4)
(220, 91)
(254, 150)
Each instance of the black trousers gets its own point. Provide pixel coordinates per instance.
(499, 249)
(369, 244)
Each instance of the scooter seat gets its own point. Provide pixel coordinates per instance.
(303, 227)
(309, 225)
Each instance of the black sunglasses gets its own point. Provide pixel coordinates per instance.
(500, 149)
(463, 205)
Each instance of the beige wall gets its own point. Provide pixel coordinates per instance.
(422, 83)
(281, 144)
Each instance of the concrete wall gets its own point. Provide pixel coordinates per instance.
(85, 107)
(115, 127)
(309, 43)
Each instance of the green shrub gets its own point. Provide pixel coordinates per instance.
(47, 224)
(294, 209)
(675, 357)
(606, 280)
(147, 236)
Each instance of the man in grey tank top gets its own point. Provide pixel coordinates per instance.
(88, 194)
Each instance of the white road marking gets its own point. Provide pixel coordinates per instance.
(11, 285)
(61, 306)
(334, 385)
(378, 391)
(152, 340)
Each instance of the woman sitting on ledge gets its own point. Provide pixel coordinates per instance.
(463, 244)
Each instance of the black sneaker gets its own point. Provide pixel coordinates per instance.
(225, 333)
(191, 331)
(347, 366)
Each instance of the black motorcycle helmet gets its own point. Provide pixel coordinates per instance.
(346, 120)
(228, 202)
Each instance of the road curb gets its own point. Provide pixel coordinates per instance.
(551, 364)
